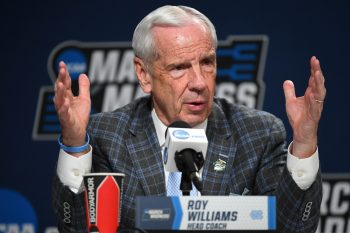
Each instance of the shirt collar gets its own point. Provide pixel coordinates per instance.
(161, 128)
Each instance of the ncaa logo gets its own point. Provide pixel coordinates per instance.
(75, 61)
(17, 215)
(181, 134)
(109, 66)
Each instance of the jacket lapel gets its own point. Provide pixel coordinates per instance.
(145, 152)
(220, 154)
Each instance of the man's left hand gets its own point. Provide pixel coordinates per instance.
(304, 112)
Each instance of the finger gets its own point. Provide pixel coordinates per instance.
(62, 71)
(314, 63)
(65, 79)
(64, 76)
(84, 86)
(311, 82)
(317, 80)
(61, 74)
(315, 66)
(312, 60)
(320, 89)
(59, 95)
(289, 90)
(316, 107)
(63, 113)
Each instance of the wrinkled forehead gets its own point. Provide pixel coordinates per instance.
(190, 38)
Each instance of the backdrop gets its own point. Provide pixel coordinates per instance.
(31, 30)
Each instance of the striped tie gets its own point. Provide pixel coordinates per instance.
(173, 186)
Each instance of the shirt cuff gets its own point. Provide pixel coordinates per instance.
(303, 171)
(70, 169)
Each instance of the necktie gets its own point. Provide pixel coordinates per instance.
(173, 186)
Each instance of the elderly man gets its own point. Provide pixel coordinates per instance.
(175, 63)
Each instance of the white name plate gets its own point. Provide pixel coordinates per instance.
(206, 213)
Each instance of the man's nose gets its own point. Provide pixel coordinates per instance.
(197, 81)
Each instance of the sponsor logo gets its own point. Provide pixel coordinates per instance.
(91, 200)
(156, 215)
(181, 134)
(109, 66)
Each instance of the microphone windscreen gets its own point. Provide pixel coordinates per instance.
(177, 124)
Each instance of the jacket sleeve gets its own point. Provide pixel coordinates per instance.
(69, 208)
(297, 210)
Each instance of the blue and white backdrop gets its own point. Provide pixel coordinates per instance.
(262, 43)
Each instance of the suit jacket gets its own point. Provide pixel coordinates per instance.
(251, 142)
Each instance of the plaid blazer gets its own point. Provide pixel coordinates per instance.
(251, 142)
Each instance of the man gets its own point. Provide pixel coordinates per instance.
(175, 63)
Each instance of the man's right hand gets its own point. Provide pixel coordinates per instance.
(73, 111)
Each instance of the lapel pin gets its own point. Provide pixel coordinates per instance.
(219, 165)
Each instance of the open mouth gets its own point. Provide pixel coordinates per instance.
(196, 103)
(196, 106)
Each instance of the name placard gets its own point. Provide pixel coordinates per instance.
(206, 213)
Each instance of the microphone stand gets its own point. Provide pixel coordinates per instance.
(189, 162)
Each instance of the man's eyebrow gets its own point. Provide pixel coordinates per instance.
(177, 64)
(211, 56)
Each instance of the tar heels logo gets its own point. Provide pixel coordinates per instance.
(109, 66)
(256, 214)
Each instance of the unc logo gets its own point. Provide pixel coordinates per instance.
(256, 215)
(181, 134)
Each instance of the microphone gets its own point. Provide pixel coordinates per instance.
(185, 151)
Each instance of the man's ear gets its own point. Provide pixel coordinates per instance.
(145, 79)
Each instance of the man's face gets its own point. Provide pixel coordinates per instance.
(183, 75)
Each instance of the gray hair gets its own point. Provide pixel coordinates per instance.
(143, 41)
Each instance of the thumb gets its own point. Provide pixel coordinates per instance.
(289, 90)
(84, 86)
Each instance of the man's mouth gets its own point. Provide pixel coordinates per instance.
(196, 103)
(196, 106)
